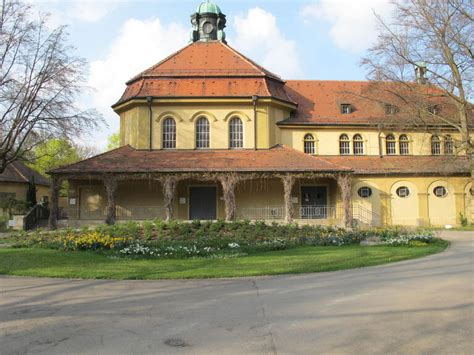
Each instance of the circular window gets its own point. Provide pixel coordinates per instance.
(403, 191)
(364, 192)
(440, 191)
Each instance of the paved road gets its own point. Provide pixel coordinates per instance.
(418, 306)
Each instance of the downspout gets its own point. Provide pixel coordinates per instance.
(380, 140)
(254, 102)
(149, 101)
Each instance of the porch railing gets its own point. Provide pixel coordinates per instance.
(261, 213)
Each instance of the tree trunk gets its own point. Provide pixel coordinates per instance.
(288, 182)
(169, 188)
(344, 182)
(110, 184)
(228, 183)
(54, 210)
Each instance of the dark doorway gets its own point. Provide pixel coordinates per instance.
(202, 202)
(314, 201)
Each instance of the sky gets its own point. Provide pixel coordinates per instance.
(320, 39)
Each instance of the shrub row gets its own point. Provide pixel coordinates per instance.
(182, 239)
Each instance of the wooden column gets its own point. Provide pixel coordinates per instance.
(288, 182)
(54, 209)
(110, 184)
(344, 182)
(228, 183)
(169, 188)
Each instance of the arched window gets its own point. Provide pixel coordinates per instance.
(390, 145)
(236, 133)
(309, 144)
(202, 133)
(358, 144)
(344, 145)
(403, 145)
(448, 145)
(169, 133)
(435, 145)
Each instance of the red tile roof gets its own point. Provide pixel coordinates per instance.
(205, 69)
(205, 59)
(129, 160)
(319, 102)
(20, 173)
(277, 159)
(214, 69)
(397, 164)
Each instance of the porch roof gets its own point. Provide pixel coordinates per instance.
(126, 159)
(403, 164)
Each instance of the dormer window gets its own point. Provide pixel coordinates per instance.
(390, 109)
(346, 109)
(433, 109)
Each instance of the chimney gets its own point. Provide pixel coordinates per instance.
(420, 72)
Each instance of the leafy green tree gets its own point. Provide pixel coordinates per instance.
(113, 141)
(53, 154)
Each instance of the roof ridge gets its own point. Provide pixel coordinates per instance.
(19, 172)
(262, 70)
(139, 75)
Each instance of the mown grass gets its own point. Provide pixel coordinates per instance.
(90, 265)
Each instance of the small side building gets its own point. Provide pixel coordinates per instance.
(14, 182)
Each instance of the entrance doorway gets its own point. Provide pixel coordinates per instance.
(202, 203)
(314, 201)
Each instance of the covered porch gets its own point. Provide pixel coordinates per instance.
(250, 185)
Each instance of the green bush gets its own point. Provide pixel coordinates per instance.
(182, 239)
(463, 220)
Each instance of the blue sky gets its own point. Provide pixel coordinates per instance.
(321, 39)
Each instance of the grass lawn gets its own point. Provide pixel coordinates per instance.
(54, 263)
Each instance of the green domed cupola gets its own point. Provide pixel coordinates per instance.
(208, 7)
(208, 23)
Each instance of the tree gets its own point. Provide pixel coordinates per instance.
(426, 52)
(31, 193)
(40, 80)
(113, 141)
(53, 154)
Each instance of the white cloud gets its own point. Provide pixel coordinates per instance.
(89, 11)
(353, 23)
(67, 12)
(139, 45)
(259, 37)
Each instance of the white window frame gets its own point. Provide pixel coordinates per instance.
(203, 133)
(236, 133)
(309, 144)
(169, 133)
(344, 145)
(358, 144)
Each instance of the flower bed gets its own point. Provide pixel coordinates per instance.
(208, 239)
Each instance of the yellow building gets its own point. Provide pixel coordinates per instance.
(15, 181)
(209, 134)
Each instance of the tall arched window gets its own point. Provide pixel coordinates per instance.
(390, 145)
(403, 145)
(448, 145)
(169, 133)
(309, 144)
(358, 145)
(236, 133)
(202, 133)
(344, 145)
(435, 145)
